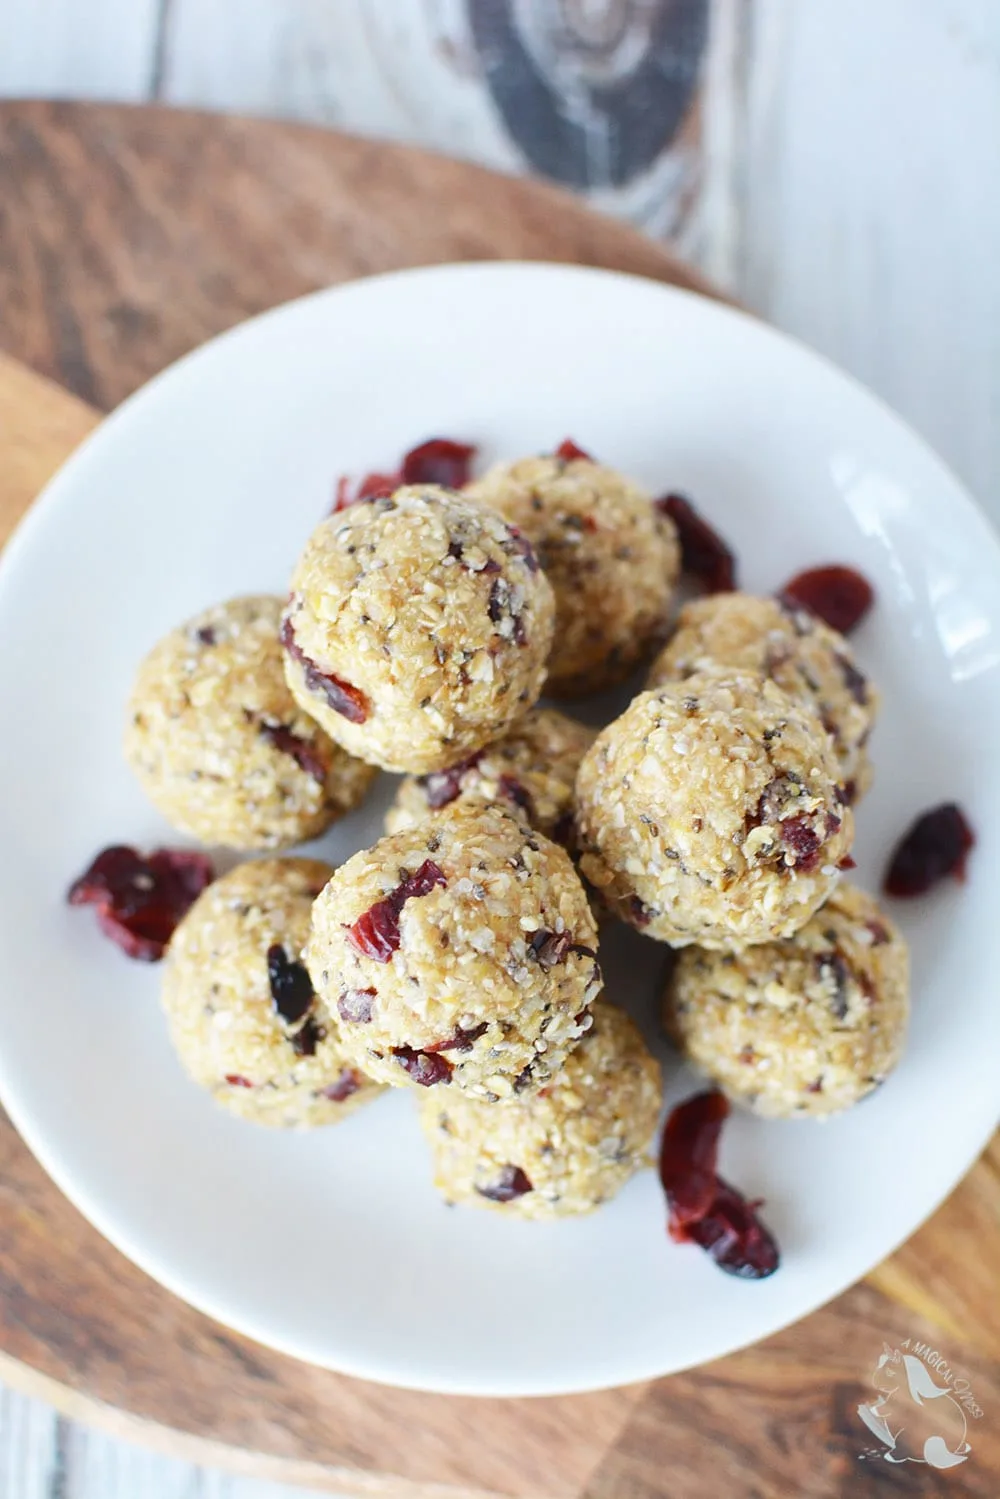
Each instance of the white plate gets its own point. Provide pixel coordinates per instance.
(333, 1246)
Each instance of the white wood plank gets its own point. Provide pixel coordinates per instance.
(871, 217)
(96, 1466)
(80, 49)
(30, 1449)
(403, 70)
(408, 71)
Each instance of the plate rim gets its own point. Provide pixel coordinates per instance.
(960, 501)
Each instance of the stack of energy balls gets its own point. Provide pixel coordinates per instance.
(457, 957)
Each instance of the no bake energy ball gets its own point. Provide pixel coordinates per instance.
(218, 743)
(418, 628)
(804, 656)
(565, 1150)
(531, 770)
(610, 556)
(459, 954)
(805, 1026)
(243, 1016)
(711, 811)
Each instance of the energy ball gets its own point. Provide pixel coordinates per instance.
(611, 557)
(712, 812)
(565, 1150)
(531, 770)
(243, 1016)
(418, 628)
(218, 743)
(797, 650)
(460, 952)
(805, 1026)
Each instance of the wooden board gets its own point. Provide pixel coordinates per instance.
(126, 238)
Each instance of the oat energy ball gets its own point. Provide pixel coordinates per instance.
(243, 1016)
(532, 770)
(711, 812)
(609, 554)
(459, 954)
(218, 743)
(797, 650)
(564, 1150)
(418, 628)
(805, 1026)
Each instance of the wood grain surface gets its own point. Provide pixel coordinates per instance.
(107, 269)
(129, 237)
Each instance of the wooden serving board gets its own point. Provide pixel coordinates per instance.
(127, 236)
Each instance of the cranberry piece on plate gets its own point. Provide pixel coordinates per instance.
(839, 595)
(704, 1208)
(704, 554)
(140, 900)
(936, 846)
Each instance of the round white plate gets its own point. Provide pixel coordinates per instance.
(333, 1246)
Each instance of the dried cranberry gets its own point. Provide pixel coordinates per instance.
(510, 787)
(355, 1005)
(511, 1183)
(937, 845)
(705, 1209)
(347, 1083)
(302, 752)
(235, 1081)
(879, 931)
(439, 461)
(803, 845)
(375, 934)
(344, 699)
(839, 595)
(206, 635)
(307, 1038)
(733, 1235)
(704, 555)
(688, 1154)
(441, 787)
(549, 948)
(523, 548)
(423, 1067)
(569, 450)
(140, 900)
(461, 1040)
(350, 702)
(291, 986)
(371, 487)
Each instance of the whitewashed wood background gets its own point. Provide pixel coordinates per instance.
(849, 158)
